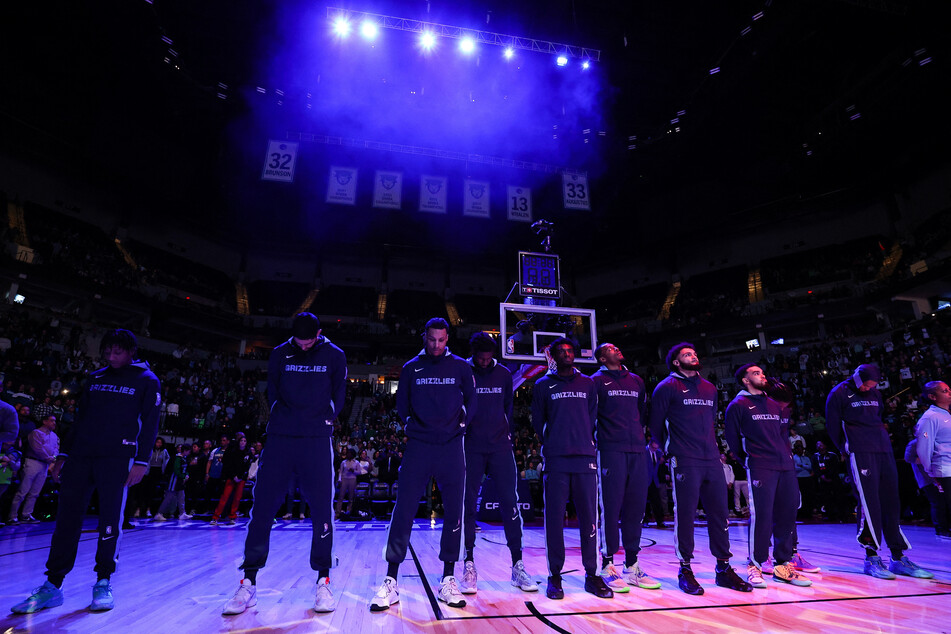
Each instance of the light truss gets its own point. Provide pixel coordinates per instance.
(432, 152)
(458, 33)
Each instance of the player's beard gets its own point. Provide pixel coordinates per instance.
(696, 367)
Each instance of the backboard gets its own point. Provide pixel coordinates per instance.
(526, 330)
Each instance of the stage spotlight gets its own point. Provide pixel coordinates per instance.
(369, 30)
(585, 65)
(509, 53)
(467, 45)
(562, 60)
(342, 27)
(427, 40)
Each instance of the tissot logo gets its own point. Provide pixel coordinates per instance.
(539, 291)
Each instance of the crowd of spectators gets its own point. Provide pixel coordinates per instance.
(210, 402)
(44, 361)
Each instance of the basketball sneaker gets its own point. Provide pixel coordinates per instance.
(387, 595)
(246, 596)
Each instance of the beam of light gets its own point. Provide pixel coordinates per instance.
(585, 65)
(562, 60)
(342, 27)
(509, 53)
(427, 41)
(369, 30)
(467, 45)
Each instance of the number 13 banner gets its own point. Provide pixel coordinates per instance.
(575, 190)
(280, 161)
(519, 203)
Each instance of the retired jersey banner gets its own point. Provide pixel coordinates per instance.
(476, 199)
(342, 187)
(388, 190)
(519, 203)
(432, 194)
(575, 189)
(279, 162)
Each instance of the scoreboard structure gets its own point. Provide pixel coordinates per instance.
(539, 275)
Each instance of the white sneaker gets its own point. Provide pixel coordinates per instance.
(755, 576)
(521, 579)
(470, 579)
(449, 593)
(245, 597)
(768, 566)
(612, 577)
(287, 516)
(324, 601)
(387, 595)
(158, 518)
(185, 516)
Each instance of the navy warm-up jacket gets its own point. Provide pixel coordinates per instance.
(564, 411)
(117, 414)
(436, 397)
(306, 389)
(854, 419)
(490, 427)
(622, 408)
(683, 416)
(757, 431)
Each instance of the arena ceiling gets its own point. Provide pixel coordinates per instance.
(704, 115)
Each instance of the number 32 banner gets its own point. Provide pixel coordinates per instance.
(575, 190)
(280, 161)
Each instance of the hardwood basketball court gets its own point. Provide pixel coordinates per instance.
(175, 577)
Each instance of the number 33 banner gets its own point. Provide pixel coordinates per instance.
(280, 161)
(575, 190)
